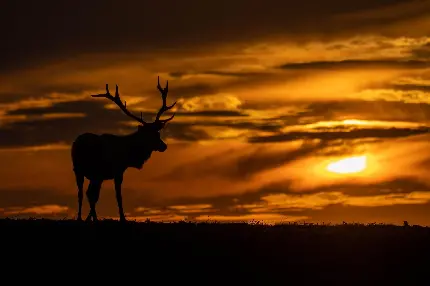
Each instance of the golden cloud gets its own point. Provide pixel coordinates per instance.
(198, 208)
(211, 102)
(37, 210)
(279, 202)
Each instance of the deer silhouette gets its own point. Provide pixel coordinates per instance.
(100, 157)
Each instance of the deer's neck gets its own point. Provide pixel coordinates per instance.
(138, 151)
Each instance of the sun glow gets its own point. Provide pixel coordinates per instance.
(349, 165)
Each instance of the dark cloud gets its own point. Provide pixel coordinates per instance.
(49, 131)
(96, 109)
(212, 113)
(357, 64)
(37, 32)
(33, 197)
(193, 90)
(409, 87)
(90, 107)
(225, 204)
(400, 185)
(245, 125)
(37, 130)
(336, 135)
(9, 97)
(67, 88)
(356, 109)
(185, 132)
(424, 163)
(26, 198)
(209, 89)
(43, 91)
(422, 52)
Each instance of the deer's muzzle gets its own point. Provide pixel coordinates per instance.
(162, 147)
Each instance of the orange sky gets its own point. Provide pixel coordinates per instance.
(268, 97)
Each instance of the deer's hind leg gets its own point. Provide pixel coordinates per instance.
(80, 183)
(93, 194)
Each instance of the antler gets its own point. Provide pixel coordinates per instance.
(117, 101)
(164, 108)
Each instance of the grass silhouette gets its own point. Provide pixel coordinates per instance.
(344, 252)
(254, 232)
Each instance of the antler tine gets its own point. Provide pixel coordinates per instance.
(167, 120)
(118, 102)
(164, 107)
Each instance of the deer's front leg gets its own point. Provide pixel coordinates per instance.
(118, 182)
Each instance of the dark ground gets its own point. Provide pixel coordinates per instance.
(301, 254)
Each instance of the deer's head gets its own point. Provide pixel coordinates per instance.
(148, 133)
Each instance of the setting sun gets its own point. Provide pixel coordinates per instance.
(348, 165)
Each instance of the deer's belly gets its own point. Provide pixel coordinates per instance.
(102, 173)
(100, 165)
(99, 177)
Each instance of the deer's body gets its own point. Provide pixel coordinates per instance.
(102, 157)
(107, 156)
